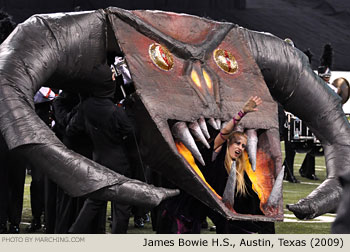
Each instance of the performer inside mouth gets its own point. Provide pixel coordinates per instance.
(229, 146)
(227, 174)
(234, 142)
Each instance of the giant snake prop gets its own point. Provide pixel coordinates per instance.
(190, 75)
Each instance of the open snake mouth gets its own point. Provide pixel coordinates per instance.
(193, 141)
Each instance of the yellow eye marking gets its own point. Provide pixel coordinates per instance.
(207, 79)
(195, 78)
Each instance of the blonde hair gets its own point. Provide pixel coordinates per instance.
(240, 164)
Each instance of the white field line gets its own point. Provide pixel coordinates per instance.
(305, 183)
(320, 166)
(309, 183)
(316, 166)
(287, 213)
(319, 219)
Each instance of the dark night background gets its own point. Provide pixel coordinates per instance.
(310, 24)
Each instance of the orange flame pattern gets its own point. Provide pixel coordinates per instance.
(189, 158)
(262, 179)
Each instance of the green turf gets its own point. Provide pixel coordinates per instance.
(291, 194)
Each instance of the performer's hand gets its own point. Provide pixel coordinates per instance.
(252, 104)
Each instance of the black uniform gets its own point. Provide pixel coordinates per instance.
(107, 125)
(307, 168)
(12, 177)
(67, 208)
(37, 185)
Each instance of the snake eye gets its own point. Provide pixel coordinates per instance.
(161, 57)
(225, 61)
